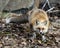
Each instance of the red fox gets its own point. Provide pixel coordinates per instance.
(38, 18)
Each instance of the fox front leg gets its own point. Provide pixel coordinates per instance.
(44, 38)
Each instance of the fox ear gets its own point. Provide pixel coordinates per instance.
(30, 12)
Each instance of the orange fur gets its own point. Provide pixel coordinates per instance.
(41, 16)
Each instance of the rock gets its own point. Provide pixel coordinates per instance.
(18, 4)
(3, 3)
(11, 5)
(15, 46)
(1, 45)
(7, 46)
(24, 43)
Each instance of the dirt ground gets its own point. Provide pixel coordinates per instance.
(20, 36)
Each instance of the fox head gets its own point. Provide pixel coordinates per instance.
(39, 20)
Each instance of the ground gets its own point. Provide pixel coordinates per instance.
(20, 36)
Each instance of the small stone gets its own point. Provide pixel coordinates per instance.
(39, 41)
(7, 46)
(24, 43)
(15, 46)
(0, 42)
(48, 47)
(1, 45)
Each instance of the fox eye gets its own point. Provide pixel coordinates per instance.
(37, 22)
(45, 22)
